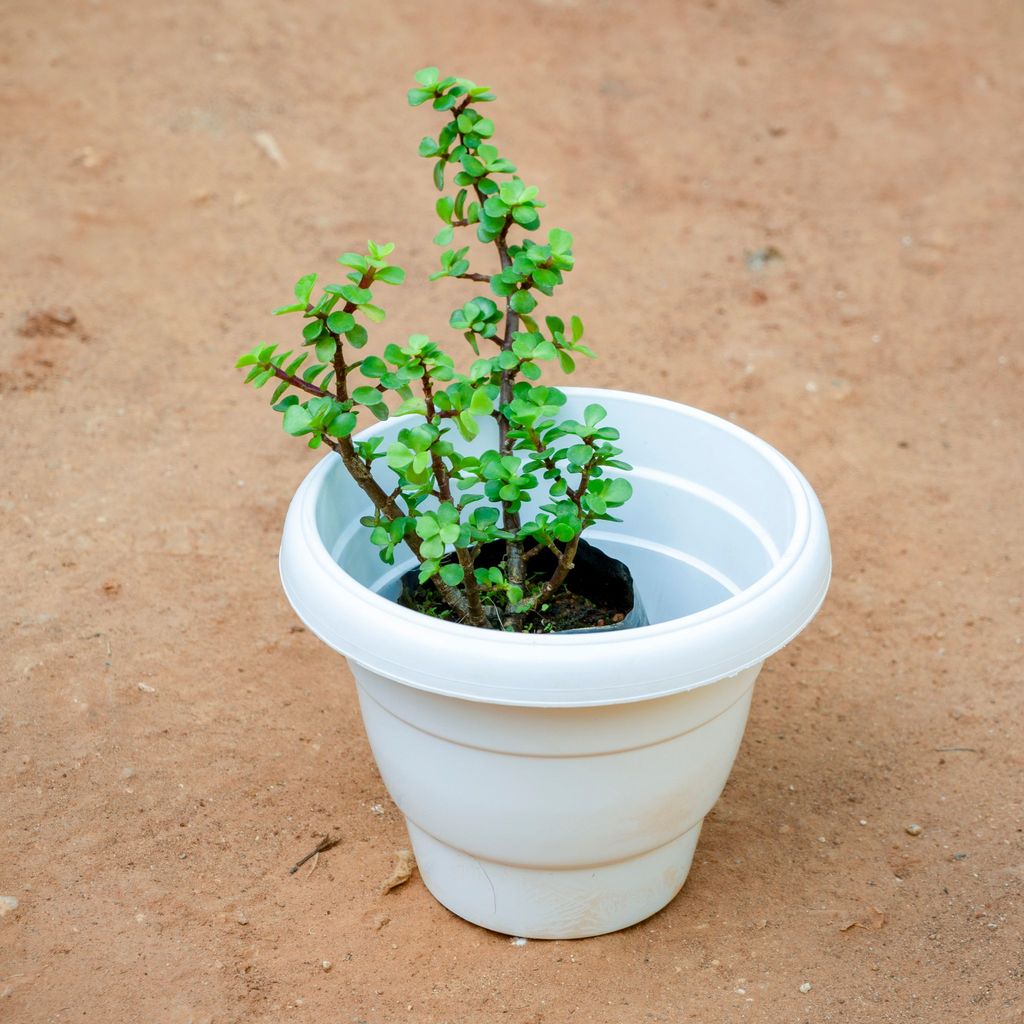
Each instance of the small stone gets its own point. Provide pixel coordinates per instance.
(959, 856)
(127, 772)
(518, 940)
(8, 904)
(241, 918)
(267, 144)
(146, 688)
(805, 987)
(914, 830)
(87, 157)
(863, 821)
(326, 964)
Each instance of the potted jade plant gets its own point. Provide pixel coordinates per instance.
(554, 715)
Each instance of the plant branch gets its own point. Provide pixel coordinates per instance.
(340, 369)
(386, 505)
(565, 564)
(477, 615)
(298, 382)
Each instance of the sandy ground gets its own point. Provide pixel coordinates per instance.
(172, 741)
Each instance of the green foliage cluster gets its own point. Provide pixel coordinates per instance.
(444, 503)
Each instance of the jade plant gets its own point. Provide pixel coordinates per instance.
(445, 500)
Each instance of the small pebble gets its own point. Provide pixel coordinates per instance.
(518, 941)
(9, 903)
(805, 987)
(326, 964)
(959, 856)
(914, 830)
(145, 688)
(241, 918)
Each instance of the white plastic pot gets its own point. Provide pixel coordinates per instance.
(554, 786)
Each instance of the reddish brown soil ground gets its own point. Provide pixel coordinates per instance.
(172, 741)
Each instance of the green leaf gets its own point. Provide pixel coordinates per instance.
(577, 328)
(341, 322)
(432, 549)
(427, 527)
(296, 420)
(304, 287)
(390, 275)
(366, 395)
(374, 313)
(523, 302)
(341, 425)
(445, 208)
(560, 241)
(593, 414)
(398, 456)
(444, 236)
(356, 295)
(452, 574)
(427, 569)
(415, 405)
(313, 330)
(480, 404)
(427, 77)
(357, 336)
(439, 175)
(618, 491)
(373, 366)
(418, 96)
(467, 425)
(353, 260)
(325, 349)
(295, 307)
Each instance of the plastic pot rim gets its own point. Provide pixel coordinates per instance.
(303, 549)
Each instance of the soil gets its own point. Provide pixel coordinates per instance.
(596, 592)
(806, 217)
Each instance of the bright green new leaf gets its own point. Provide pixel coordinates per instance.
(371, 312)
(390, 275)
(325, 349)
(304, 287)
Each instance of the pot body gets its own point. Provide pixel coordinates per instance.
(554, 786)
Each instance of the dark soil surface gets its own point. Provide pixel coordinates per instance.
(596, 592)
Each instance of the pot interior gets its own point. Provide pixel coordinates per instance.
(712, 510)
